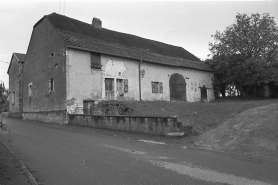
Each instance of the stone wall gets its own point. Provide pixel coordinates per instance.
(146, 125)
(44, 72)
(46, 116)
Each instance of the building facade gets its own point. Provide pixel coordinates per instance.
(15, 84)
(71, 65)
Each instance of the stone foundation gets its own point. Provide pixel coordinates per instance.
(46, 116)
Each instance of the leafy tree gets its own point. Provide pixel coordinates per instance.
(4, 104)
(246, 53)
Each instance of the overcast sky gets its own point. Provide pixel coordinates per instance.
(188, 24)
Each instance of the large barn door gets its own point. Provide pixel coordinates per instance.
(177, 87)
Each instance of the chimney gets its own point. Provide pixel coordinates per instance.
(97, 23)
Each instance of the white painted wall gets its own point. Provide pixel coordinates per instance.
(121, 68)
(193, 78)
(82, 82)
(85, 83)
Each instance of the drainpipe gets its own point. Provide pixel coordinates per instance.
(139, 70)
(21, 86)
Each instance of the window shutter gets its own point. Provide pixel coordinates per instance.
(153, 87)
(95, 61)
(160, 86)
(125, 85)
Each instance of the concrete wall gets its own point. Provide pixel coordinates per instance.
(45, 60)
(146, 125)
(14, 87)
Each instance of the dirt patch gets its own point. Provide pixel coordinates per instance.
(253, 132)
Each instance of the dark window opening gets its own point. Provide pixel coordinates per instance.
(109, 88)
(88, 107)
(157, 87)
(13, 98)
(95, 61)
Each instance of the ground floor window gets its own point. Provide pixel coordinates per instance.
(30, 89)
(157, 87)
(109, 88)
(51, 85)
(120, 87)
(13, 98)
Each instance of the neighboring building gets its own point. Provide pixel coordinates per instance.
(71, 65)
(15, 84)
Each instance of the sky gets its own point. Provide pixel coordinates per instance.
(188, 24)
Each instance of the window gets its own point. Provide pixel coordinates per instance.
(125, 85)
(95, 61)
(120, 85)
(109, 88)
(30, 89)
(157, 87)
(13, 98)
(51, 85)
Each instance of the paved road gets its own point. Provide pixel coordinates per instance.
(59, 155)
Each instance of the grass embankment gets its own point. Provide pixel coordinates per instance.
(202, 116)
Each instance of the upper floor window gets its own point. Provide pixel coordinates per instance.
(95, 61)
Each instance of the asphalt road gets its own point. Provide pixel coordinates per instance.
(59, 155)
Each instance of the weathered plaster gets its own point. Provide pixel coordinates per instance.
(114, 68)
(194, 80)
(82, 81)
(121, 68)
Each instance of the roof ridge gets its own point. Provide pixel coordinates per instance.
(101, 40)
(118, 46)
(118, 32)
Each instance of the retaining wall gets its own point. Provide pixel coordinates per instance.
(46, 116)
(146, 125)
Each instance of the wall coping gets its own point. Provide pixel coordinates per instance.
(122, 116)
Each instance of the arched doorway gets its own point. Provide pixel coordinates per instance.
(177, 87)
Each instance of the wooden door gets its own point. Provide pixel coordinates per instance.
(177, 87)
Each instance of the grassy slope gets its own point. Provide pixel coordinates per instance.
(252, 132)
(202, 116)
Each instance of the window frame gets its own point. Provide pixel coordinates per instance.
(157, 87)
(30, 89)
(51, 85)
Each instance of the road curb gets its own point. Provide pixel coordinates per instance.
(22, 165)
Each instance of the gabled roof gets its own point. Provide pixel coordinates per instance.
(19, 57)
(80, 35)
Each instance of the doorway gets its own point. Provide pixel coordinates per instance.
(177, 87)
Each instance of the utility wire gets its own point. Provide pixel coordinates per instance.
(4, 62)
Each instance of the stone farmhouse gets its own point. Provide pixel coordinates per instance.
(70, 66)
(15, 84)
